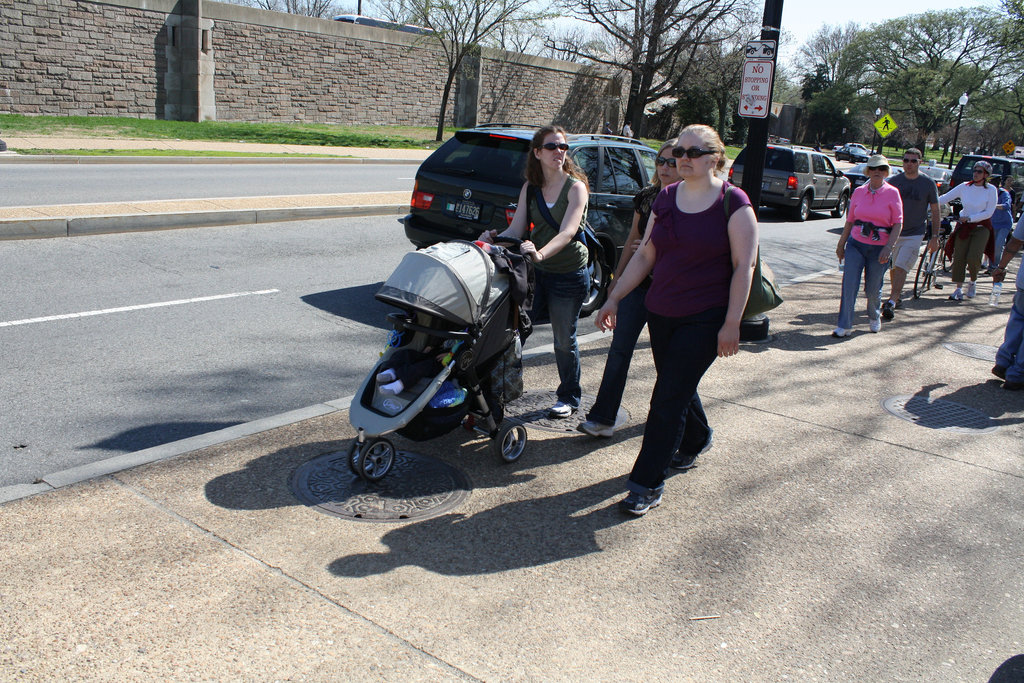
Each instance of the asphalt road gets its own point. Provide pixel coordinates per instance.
(40, 184)
(116, 343)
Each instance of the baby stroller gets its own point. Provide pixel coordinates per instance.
(457, 314)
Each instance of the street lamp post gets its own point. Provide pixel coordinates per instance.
(846, 112)
(878, 112)
(956, 132)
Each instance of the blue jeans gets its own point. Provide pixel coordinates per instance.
(684, 348)
(860, 258)
(629, 322)
(559, 297)
(1000, 241)
(1011, 354)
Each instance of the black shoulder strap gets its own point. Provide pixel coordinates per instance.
(725, 201)
(542, 206)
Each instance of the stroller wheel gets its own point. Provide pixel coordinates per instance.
(510, 441)
(374, 459)
(353, 458)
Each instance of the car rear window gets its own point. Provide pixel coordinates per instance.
(497, 158)
(779, 159)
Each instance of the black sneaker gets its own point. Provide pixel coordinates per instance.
(638, 504)
(685, 462)
(887, 309)
(999, 371)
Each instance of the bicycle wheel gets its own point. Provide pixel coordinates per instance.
(925, 275)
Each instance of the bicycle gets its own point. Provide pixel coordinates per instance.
(926, 266)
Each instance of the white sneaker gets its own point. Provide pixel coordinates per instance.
(875, 325)
(971, 290)
(596, 428)
(841, 332)
(560, 410)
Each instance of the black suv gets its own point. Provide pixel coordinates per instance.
(471, 184)
(1001, 167)
(799, 179)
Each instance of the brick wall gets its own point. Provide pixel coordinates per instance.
(87, 57)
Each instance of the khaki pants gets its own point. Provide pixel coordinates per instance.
(968, 250)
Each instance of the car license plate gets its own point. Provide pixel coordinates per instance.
(766, 185)
(467, 210)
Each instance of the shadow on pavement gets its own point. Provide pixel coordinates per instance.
(525, 533)
(353, 303)
(141, 438)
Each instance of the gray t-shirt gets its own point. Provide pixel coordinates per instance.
(916, 194)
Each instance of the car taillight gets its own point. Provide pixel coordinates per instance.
(421, 200)
(730, 174)
(510, 213)
(791, 182)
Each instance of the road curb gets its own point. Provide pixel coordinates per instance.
(39, 228)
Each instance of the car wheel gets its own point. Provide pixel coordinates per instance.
(841, 206)
(599, 276)
(803, 209)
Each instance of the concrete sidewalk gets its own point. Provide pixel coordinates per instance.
(67, 220)
(823, 538)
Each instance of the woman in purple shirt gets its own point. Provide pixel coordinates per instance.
(701, 262)
(873, 224)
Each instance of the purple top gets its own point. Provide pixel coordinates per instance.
(693, 263)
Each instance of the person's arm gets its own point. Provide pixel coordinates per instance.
(933, 243)
(1009, 251)
(639, 267)
(628, 249)
(743, 246)
(566, 231)
(896, 216)
(520, 220)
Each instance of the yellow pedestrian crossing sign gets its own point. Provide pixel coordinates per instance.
(1009, 146)
(885, 125)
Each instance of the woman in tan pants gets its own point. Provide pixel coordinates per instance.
(973, 234)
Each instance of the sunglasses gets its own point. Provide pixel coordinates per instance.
(552, 146)
(980, 170)
(911, 161)
(661, 161)
(691, 152)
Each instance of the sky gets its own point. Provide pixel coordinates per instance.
(804, 17)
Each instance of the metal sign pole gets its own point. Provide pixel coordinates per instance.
(757, 131)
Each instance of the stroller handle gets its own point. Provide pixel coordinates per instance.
(400, 323)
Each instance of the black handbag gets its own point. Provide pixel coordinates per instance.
(764, 293)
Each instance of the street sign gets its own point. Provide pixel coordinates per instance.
(756, 88)
(1009, 146)
(760, 49)
(885, 126)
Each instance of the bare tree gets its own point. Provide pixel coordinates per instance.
(828, 51)
(309, 8)
(656, 41)
(458, 28)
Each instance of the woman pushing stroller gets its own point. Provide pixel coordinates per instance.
(560, 260)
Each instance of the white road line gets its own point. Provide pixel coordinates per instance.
(122, 309)
(810, 276)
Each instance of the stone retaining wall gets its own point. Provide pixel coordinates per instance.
(87, 57)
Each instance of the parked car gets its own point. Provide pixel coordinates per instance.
(858, 174)
(941, 176)
(798, 179)
(852, 151)
(1001, 166)
(471, 184)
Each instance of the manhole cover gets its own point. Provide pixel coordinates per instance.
(532, 410)
(417, 487)
(979, 351)
(939, 414)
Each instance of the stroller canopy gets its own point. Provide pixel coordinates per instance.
(454, 281)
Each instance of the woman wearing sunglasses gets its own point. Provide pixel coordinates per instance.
(874, 221)
(972, 236)
(632, 313)
(560, 260)
(701, 262)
